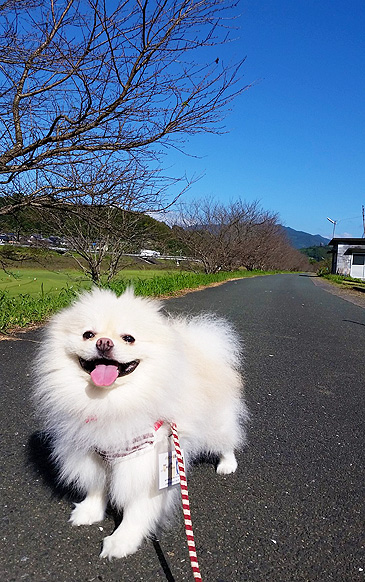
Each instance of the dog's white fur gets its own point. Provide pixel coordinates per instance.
(188, 374)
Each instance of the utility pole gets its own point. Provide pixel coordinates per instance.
(334, 222)
(363, 222)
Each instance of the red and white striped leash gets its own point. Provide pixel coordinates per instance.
(186, 505)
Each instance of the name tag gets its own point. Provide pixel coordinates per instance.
(168, 469)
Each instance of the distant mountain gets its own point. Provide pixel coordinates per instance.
(302, 240)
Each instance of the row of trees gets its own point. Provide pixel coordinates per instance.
(238, 234)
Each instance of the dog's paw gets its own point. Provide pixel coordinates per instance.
(227, 464)
(117, 546)
(86, 513)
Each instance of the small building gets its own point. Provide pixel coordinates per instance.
(348, 257)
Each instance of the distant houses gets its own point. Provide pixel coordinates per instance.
(348, 257)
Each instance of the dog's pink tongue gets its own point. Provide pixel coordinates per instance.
(103, 375)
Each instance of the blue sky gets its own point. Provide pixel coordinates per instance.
(296, 139)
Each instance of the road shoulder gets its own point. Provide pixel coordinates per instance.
(355, 297)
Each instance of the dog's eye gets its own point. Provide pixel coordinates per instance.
(88, 335)
(128, 338)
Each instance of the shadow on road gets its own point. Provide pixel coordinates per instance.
(163, 562)
(39, 456)
(356, 322)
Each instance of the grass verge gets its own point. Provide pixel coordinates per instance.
(344, 281)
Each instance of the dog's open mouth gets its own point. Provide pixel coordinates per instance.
(104, 372)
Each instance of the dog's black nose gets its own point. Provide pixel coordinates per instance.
(104, 345)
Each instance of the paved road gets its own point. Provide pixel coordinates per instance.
(291, 513)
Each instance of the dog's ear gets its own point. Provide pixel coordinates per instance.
(129, 294)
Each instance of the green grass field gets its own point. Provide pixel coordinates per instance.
(36, 281)
(30, 281)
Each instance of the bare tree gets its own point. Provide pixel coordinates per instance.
(99, 237)
(238, 234)
(219, 235)
(106, 217)
(81, 79)
(96, 248)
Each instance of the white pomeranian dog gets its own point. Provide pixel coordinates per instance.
(112, 374)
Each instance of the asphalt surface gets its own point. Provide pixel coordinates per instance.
(292, 511)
